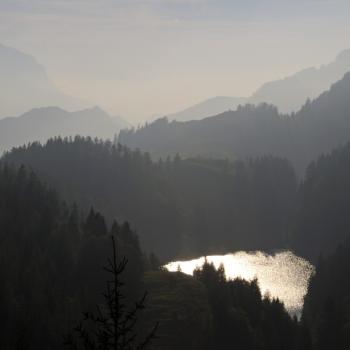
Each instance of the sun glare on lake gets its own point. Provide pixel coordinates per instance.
(282, 275)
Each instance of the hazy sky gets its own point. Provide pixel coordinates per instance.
(139, 58)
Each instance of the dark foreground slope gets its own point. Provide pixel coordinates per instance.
(51, 271)
(253, 131)
(326, 309)
(50, 262)
(180, 207)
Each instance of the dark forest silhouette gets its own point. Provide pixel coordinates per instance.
(52, 250)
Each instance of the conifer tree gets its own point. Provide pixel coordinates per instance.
(112, 326)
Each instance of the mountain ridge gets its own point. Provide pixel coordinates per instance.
(288, 94)
(39, 124)
(250, 131)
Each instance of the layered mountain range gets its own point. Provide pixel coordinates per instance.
(288, 94)
(251, 131)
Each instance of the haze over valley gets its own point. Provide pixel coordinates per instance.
(174, 175)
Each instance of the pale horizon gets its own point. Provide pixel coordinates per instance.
(144, 59)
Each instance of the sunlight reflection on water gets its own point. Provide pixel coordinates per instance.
(283, 275)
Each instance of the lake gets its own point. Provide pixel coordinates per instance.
(283, 275)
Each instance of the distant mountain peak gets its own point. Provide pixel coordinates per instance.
(40, 124)
(24, 85)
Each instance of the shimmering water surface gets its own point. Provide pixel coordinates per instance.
(283, 275)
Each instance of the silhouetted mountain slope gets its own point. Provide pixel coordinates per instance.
(288, 94)
(24, 85)
(42, 123)
(251, 131)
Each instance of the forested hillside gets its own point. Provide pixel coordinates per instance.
(201, 206)
(179, 207)
(322, 220)
(326, 309)
(253, 131)
(51, 258)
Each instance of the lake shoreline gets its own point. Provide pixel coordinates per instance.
(281, 274)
